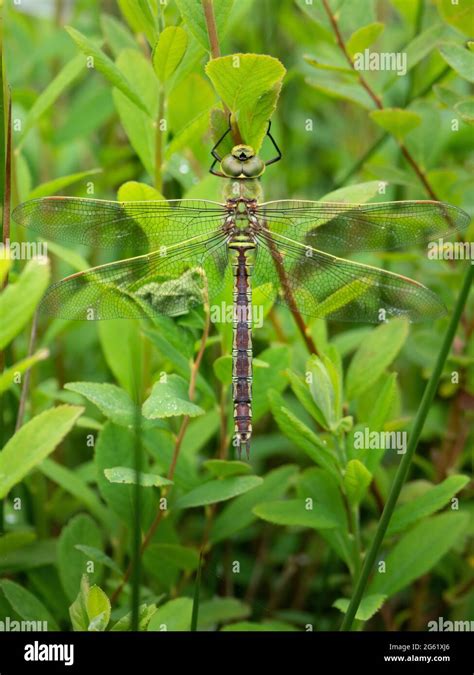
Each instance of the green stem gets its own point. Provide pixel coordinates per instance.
(404, 467)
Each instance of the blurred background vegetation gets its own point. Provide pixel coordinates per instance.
(81, 131)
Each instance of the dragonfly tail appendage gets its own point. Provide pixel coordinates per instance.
(242, 352)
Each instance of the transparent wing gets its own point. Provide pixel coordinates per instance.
(171, 284)
(341, 228)
(106, 224)
(324, 286)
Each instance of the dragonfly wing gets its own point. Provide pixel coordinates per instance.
(341, 228)
(171, 284)
(108, 224)
(324, 286)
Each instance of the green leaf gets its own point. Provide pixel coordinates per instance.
(133, 191)
(424, 505)
(123, 349)
(466, 110)
(374, 355)
(70, 481)
(356, 481)
(322, 391)
(418, 551)
(72, 563)
(107, 67)
(56, 185)
(239, 513)
(460, 59)
(18, 301)
(294, 512)
(249, 84)
(174, 615)
(70, 257)
(29, 556)
(53, 91)
(457, 14)
(112, 401)
(358, 193)
(11, 541)
(10, 375)
(369, 605)
(383, 405)
(26, 604)
(122, 474)
(220, 610)
(169, 51)
(218, 491)
(193, 16)
(145, 612)
(179, 557)
(116, 447)
(78, 611)
(396, 121)
(266, 626)
(99, 556)
(33, 442)
(221, 468)
(139, 17)
(98, 609)
(170, 399)
(364, 37)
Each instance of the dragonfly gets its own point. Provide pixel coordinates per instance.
(295, 251)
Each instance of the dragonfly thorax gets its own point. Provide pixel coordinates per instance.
(242, 162)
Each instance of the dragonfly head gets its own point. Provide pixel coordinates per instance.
(242, 162)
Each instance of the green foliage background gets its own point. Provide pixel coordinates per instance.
(269, 562)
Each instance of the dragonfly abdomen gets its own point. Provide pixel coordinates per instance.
(242, 345)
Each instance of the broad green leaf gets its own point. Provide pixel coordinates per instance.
(26, 604)
(123, 349)
(218, 491)
(466, 110)
(11, 541)
(300, 434)
(37, 554)
(33, 442)
(340, 87)
(99, 556)
(174, 615)
(418, 551)
(354, 194)
(169, 399)
(78, 611)
(122, 474)
(18, 301)
(169, 51)
(139, 17)
(422, 45)
(457, 14)
(56, 185)
(116, 446)
(356, 481)
(193, 16)
(98, 609)
(145, 612)
(374, 355)
(221, 468)
(424, 505)
(70, 481)
(172, 556)
(294, 512)
(133, 191)
(460, 59)
(396, 121)
(107, 67)
(72, 563)
(302, 392)
(220, 610)
(364, 37)
(264, 627)
(369, 605)
(446, 96)
(53, 91)
(10, 375)
(249, 84)
(381, 411)
(112, 401)
(239, 513)
(322, 391)
(117, 35)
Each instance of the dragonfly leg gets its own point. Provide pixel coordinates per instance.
(214, 153)
(279, 155)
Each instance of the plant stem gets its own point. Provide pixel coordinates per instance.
(404, 467)
(159, 143)
(377, 101)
